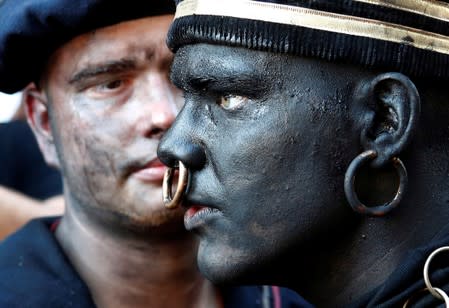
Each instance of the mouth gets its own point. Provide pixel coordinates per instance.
(151, 172)
(199, 215)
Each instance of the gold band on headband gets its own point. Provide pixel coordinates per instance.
(433, 9)
(314, 19)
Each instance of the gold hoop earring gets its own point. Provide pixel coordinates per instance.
(170, 201)
(351, 195)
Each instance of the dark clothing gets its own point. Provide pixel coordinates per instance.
(34, 272)
(406, 282)
(23, 167)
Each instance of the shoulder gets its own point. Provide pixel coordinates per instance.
(34, 271)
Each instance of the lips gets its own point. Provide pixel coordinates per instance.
(198, 215)
(193, 210)
(151, 172)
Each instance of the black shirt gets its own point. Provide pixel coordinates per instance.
(34, 272)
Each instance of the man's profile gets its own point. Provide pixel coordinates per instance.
(303, 123)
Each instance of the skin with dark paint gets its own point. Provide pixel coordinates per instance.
(104, 102)
(268, 138)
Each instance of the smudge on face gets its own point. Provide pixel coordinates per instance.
(111, 101)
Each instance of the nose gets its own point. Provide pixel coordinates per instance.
(180, 144)
(163, 115)
(159, 110)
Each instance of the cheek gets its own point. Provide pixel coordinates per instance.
(276, 169)
(88, 149)
(259, 176)
(260, 152)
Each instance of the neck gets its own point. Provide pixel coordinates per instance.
(373, 247)
(122, 271)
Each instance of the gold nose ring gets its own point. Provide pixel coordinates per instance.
(170, 201)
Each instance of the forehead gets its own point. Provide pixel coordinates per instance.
(240, 68)
(141, 39)
(218, 62)
(201, 58)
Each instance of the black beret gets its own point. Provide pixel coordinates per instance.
(410, 36)
(31, 30)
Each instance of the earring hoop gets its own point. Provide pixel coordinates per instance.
(352, 197)
(170, 201)
(435, 291)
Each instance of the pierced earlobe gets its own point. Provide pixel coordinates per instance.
(351, 195)
(390, 106)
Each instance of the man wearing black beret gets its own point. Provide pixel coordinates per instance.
(101, 101)
(316, 139)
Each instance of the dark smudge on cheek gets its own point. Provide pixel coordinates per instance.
(94, 164)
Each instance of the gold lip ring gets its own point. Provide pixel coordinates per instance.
(170, 201)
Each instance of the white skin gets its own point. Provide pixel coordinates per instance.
(104, 103)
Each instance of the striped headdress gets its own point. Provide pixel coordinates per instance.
(410, 36)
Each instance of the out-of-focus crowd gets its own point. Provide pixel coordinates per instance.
(29, 188)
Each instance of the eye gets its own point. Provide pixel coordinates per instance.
(108, 88)
(230, 102)
(111, 86)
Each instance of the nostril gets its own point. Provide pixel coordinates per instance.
(166, 157)
(156, 132)
(191, 154)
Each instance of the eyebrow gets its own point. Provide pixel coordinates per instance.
(202, 77)
(243, 84)
(109, 67)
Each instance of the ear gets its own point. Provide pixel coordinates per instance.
(37, 113)
(393, 108)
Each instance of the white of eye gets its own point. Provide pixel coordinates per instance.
(229, 102)
(109, 89)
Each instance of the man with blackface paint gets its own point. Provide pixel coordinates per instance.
(314, 139)
(101, 103)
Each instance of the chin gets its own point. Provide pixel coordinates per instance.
(148, 220)
(158, 217)
(217, 272)
(222, 266)
(247, 262)
(149, 210)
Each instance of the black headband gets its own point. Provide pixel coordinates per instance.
(411, 36)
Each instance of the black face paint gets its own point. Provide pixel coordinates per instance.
(273, 172)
